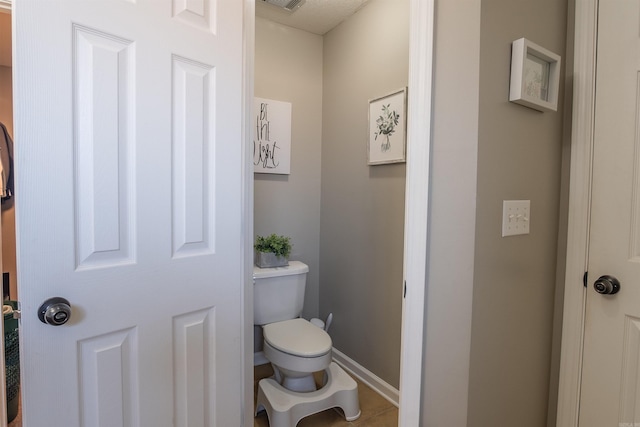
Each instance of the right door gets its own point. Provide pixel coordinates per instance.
(610, 393)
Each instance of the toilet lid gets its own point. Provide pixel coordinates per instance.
(297, 337)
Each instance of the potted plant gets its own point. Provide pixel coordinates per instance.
(272, 251)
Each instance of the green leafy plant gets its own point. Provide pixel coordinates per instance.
(279, 245)
(386, 125)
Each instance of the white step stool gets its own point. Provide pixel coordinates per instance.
(285, 408)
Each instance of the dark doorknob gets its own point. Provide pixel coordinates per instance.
(55, 311)
(607, 285)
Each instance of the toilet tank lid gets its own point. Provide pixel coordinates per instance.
(294, 267)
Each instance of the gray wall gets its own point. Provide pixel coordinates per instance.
(451, 254)
(361, 243)
(519, 154)
(519, 157)
(288, 67)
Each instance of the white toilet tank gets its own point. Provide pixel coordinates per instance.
(278, 293)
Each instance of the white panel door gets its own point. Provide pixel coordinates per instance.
(611, 372)
(128, 200)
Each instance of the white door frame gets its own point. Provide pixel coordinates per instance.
(248, 46)
(421, 33)
(584, 80)
(416, 233)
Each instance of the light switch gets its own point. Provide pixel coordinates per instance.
(515, 217)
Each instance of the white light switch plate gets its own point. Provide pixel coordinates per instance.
(515, 217)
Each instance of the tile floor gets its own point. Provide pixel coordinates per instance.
(376, 410)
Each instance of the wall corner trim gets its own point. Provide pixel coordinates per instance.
(579, 212)
(420, 98)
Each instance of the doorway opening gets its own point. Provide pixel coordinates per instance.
(8, 240)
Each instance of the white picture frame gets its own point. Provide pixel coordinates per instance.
(535, 76)
(272, 136)
(388, 128)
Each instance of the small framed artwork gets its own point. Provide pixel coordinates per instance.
(388, 128)
(272, 138)
(535, 76)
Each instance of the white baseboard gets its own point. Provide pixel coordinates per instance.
(369, 378)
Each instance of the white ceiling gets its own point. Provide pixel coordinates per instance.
(315, 16)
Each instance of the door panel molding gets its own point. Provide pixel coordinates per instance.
(109, 372)
(104, 129)
(194, 145)
(630, 368)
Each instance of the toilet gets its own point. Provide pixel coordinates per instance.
(296, 349)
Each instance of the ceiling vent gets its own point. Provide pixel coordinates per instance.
(288, 5)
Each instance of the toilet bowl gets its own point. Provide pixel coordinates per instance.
(296, 349)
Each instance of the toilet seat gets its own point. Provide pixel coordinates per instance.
(297, 337)
(297, 349)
